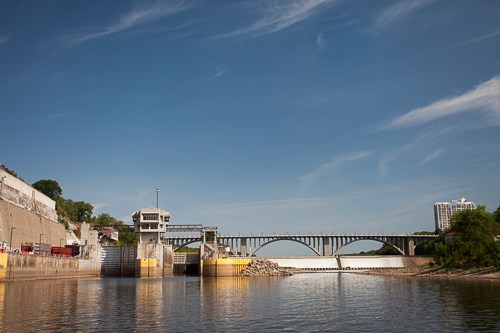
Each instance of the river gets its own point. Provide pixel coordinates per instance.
(314, 302)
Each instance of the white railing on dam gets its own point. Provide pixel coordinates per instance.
(356, 262)
(315, 263)
(332, 263)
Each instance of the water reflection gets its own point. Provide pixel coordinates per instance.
(326, 302)
(470, 305)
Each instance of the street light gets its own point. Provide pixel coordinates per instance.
(41, 238)
(60, 240)
(10, 243)
(157, 191)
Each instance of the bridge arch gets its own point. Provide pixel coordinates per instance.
(368, 239)
(285, 239)
(177, 247)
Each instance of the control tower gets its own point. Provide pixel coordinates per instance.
(150, 223)
(154, 259)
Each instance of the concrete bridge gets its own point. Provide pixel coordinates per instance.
(320, 244)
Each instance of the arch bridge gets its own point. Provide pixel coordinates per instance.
(321, 244)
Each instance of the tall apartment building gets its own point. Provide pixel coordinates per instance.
(444, 210)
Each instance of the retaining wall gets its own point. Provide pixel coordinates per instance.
(33, 267)
(28, 226)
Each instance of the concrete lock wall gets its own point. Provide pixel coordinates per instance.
(15, 266)
(154, 260)
(223, 267)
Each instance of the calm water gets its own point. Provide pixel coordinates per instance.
(320, 302)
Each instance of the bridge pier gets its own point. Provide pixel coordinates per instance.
(326, 247)
(243, 247)
(409, 247)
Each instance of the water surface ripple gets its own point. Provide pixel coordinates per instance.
(317, 302)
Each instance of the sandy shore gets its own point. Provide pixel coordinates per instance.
(426, 271)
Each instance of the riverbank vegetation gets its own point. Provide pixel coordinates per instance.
(471, 241)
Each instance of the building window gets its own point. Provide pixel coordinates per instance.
(149, 217)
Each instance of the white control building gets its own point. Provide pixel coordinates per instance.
(150, 223)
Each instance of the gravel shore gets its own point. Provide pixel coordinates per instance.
(492, 273)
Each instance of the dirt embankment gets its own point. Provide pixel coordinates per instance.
(426, 271)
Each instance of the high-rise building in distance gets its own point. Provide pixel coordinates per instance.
(444, 210)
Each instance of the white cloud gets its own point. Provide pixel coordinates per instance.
(479, 39)
(400, 10)
(329, 167)
(3, 40)
(57, 115)
(485, 98)
(432, 156)
(141, 14)
(420, 141)
(219, 72)
(280, 16)
(321, 42)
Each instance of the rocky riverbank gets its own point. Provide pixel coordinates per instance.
(492, 273)
(264, 267)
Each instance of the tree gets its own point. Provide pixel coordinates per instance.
(48, 187)
(496, 215)
(128, 238)
(473, 243)
(107, 220)
(76, 211)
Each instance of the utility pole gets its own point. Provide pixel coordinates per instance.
(157, 191)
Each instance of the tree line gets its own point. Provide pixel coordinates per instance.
(77, 212)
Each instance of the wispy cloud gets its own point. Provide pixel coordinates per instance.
(57, 115)
(321, 42)
(479, 39)
(485, 97)
(399, 11)
(141, 14)
(420, 141)
(432, 156)
(329, 167)
(279, 16)
(3, 39)
(219, 72)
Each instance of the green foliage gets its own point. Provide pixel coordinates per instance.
(12, 173)
(76, 211)
(107, 220)
(187, 249)
(385, 250)
(424, 233)
(496, 216)
(473, 245)
(425, 248)
(48, 187)
(127, 238)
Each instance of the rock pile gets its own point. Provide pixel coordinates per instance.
(264, 267)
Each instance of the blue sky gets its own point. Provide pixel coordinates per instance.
(256, 116)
